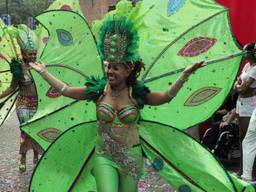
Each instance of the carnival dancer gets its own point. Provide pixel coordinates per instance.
(118, 98)
(26, 103)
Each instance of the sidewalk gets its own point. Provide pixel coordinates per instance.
(11, 180)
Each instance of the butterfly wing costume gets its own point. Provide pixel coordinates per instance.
(7, 53)
(166, 46)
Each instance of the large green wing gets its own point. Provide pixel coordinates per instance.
(176, 34)
(184, 163)
(7, 106)
(7, 53)
(177, 157)
(68, 162)
(70, 54)
(68, 5)
(47, 128)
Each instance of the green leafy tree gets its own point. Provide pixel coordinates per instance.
(20, 10)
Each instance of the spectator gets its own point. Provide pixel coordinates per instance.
(246, 87)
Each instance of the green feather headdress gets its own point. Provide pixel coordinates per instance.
(26, 38)
(117, 34)
(119, 42)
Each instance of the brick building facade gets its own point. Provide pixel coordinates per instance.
(96, 9)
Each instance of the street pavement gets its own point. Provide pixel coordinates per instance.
(11, 180)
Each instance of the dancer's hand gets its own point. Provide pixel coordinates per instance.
(39, 67)
(192, 68)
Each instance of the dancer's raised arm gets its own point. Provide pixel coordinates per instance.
(158, 98)
(65, 90)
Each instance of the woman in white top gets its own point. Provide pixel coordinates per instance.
(246, 103)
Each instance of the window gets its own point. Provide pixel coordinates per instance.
(111, 7)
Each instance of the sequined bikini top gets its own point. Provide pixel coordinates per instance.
(27, 80)
(127, 115)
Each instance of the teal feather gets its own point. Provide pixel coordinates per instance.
(16, 69)
(95, 88)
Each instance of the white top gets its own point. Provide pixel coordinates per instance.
(245, 106)
(249, 71)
